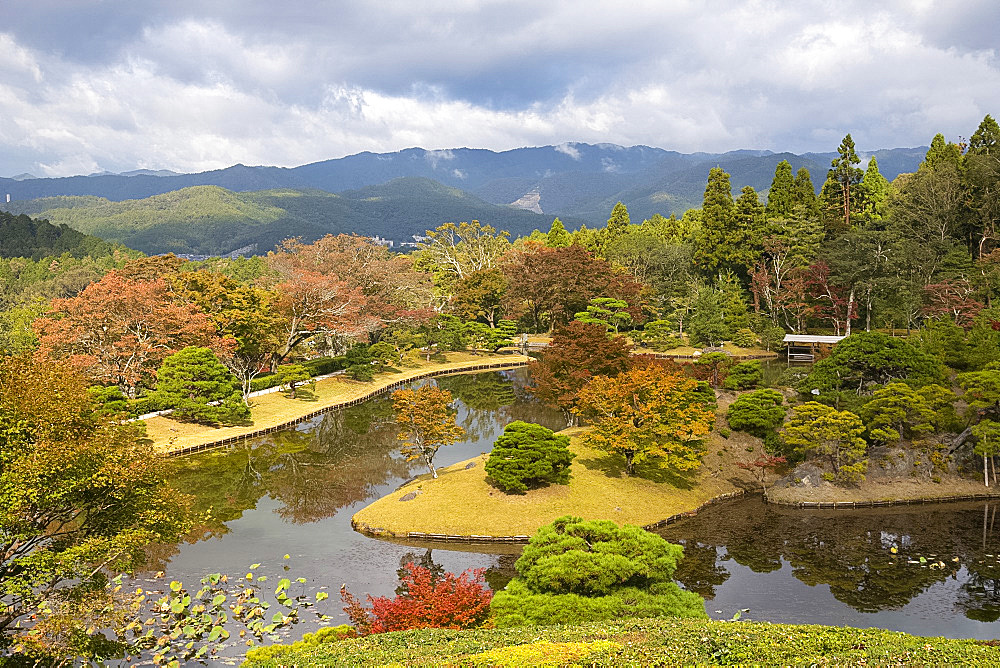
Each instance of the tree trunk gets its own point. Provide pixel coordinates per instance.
(986, 472)
(629, 462)
(430, 465)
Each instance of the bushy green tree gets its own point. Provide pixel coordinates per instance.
(815, 429)
(865, 361)
(744, 375)
(558, 237)
(759, 413)
(895, 412)
(706, 325)
(607, 311)
(359, 362)
(780, 198)
(660, 335)
(575, 571)
(528, 454)
(200, 388)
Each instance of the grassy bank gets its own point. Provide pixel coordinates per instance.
(276, 409)
(638, 643)
(460, 502)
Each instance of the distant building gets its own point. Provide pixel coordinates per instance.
(379, 241)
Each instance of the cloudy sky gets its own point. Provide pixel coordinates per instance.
(191, 85)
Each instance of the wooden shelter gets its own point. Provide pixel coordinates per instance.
(803, 347)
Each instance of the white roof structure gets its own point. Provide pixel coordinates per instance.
(812, 338)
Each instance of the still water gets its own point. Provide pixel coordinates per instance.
(294, 493)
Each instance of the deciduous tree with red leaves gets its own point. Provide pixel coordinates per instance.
(120, 330)
(446, 602)
(577, 353)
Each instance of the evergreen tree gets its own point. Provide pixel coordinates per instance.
(200, 388)
(875, 190)
(617, 224)
(941, 153)
(804, 193)
(716, 222)
(781, 196)
(841, 198)
(558, 237)
(746, 238)
(528, 454)
(986, 139)
(706, 326)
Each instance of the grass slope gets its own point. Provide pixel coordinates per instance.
(637, 643)
(461, 503)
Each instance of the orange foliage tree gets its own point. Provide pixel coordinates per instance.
(120, 330)
(646, 412)
(426, 422)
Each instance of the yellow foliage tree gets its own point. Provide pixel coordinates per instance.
(426, 422)
(648, 412)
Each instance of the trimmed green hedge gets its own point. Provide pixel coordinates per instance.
(316, 367)
(643, 642)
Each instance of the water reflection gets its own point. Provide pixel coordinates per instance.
(870, 560)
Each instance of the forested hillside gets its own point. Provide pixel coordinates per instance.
(21, 236)
(212, 220)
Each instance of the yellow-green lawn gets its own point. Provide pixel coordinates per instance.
(461, 503)
(275, 409)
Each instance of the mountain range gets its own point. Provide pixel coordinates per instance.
(396, 195)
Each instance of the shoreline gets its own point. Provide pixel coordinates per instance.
(201, 438)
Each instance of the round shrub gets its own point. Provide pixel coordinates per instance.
(528, 454)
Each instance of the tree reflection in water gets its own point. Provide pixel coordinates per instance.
(850, 551)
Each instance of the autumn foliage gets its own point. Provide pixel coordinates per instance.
(120, 330)
(447, 602)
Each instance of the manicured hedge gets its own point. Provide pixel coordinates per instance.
(643, 642)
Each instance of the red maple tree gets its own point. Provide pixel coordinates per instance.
(447, 602)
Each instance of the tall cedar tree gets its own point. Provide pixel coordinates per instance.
(842, 197)
(712, 243)
(426, 422)
(648, 412)
(120, 330)
(780, 198)
(577, 353)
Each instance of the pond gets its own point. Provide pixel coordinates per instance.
(294, 493)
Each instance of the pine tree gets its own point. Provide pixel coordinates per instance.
(875, 190)
(841, 198)
(804, 193)
(941, 153)
(986, 139)
(200, 389)
(781, 196)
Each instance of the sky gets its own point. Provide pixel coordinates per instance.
(192, 85)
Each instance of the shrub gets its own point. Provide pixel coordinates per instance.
(284, 654)
(759, 413)
(574, 571)
(291, 376)
(744, 375)
(745, 338)
(448, 602)
(528, 454)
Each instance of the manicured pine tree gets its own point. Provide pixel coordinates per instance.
(192, 380)
(528, 454)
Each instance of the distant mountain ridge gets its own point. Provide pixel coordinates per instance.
(572, 179)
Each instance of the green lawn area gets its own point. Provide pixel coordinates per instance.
(460, 502)
(275, 409)
(637, 643)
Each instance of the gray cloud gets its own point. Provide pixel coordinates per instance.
(187, 85)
